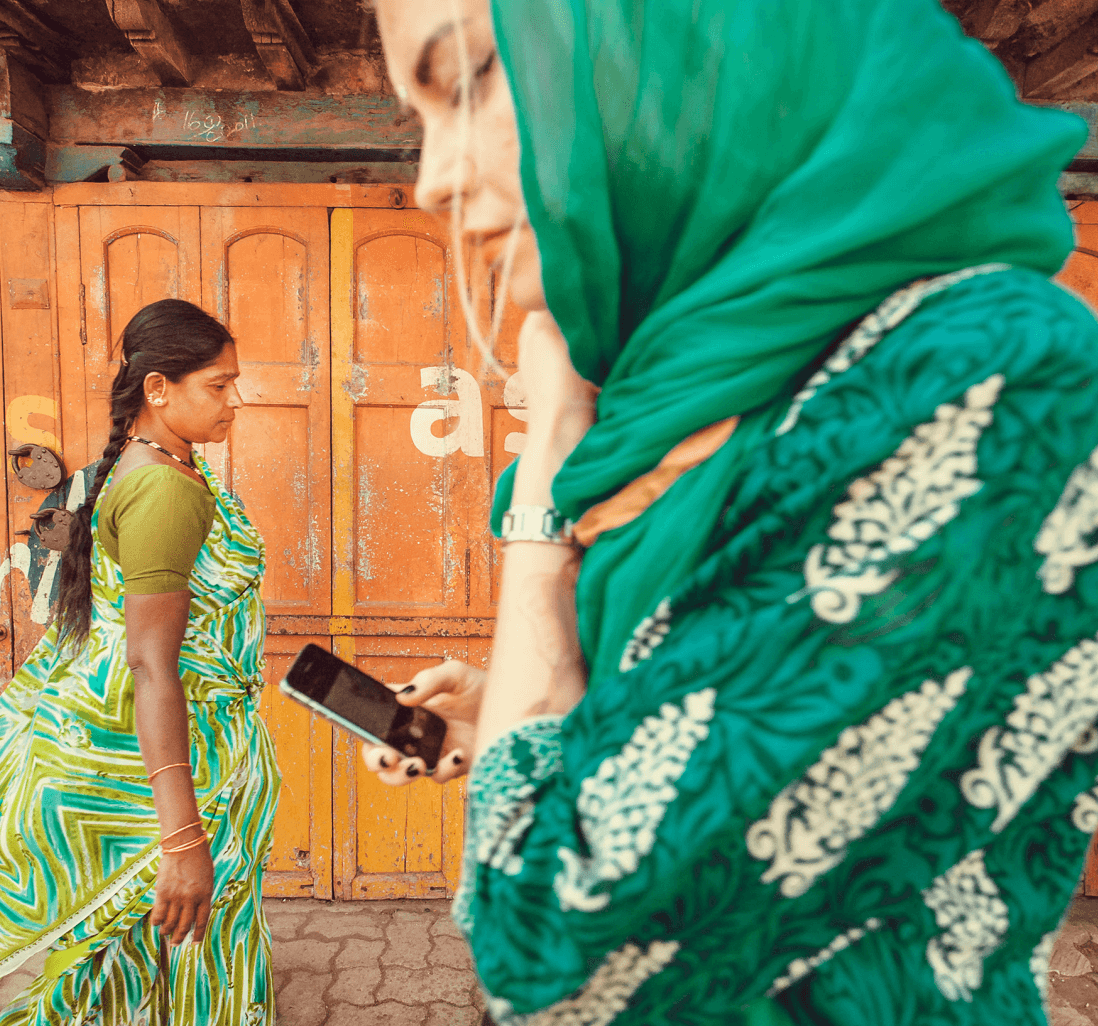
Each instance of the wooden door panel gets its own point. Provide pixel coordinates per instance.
(265, 275)
(32, 414)
(130, 257)
(407, 416)
(301, 862)
(395, 842)
(404, 551)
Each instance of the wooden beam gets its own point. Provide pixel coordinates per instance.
(1065, 64)
(231, 121)
(298, 171)
(85, 163)
(153, 36)
(992, 21)
(1052, 23)
(280, 41)
(24, 127)
(23, 33)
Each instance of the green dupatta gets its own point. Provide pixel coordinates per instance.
(719, 189)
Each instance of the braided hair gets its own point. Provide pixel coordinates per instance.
(170, 337)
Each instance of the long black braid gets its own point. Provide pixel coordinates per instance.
(174, 338)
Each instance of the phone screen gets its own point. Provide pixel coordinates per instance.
(363, 704)
(345, 690)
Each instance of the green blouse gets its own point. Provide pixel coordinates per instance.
(152, 524)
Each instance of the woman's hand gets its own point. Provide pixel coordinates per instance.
(452, 690)
(184, 890)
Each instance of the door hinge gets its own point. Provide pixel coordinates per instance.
(83, 318)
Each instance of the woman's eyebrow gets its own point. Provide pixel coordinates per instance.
(427, 53)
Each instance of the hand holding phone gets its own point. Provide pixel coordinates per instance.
(453, 690)
(363, 705)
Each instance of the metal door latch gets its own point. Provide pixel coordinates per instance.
(37, 467)
(51, 526)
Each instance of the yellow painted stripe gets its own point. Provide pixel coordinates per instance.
(343, 417)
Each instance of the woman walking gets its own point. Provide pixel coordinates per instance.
(137, 782)
(811, 738)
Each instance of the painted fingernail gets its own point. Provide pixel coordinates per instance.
(412, 771)
(408, 690)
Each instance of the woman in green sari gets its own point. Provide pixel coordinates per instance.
(814, 743)
(137, 781)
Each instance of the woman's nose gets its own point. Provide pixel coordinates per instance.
(235, 400)
(445, 170)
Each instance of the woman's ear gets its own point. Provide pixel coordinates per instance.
(156, 386)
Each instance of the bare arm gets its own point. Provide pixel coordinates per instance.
(155, 625)
(536, 665)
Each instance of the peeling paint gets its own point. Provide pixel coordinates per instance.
(355, 384)
(310, 359)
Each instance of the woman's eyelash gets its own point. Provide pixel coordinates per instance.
(479, 73)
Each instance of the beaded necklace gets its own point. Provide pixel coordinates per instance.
(160, 448)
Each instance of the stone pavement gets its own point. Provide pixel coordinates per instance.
(403, 963)
(369, 963)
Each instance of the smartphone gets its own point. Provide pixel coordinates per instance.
(353, 699)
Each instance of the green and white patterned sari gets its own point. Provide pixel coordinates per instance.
(78, 831)
(836, 761)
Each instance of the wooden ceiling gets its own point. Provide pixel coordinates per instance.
(256, 45)
(1049, 47)
(277, 90)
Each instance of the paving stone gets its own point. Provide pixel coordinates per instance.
(357, 953)
(408, 940)
(334, 925)
(301, 1000)
(451, 952)
(1069, 1017)
(443, 1014)
(390, 1013)
(284, 925)
(1075, 951)
(355, 986)
(444, 926)
(313, 955)
(434, 984)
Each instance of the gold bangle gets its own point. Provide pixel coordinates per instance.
(184, 847)
(173, 765)
(196, 823)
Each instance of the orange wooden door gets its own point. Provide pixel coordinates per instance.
(400, 522)
(418, 434)
(31, 394)
(265, 274)
(366, 454)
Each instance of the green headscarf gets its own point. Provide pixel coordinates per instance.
(719, 188)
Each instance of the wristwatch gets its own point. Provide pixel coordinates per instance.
(537, 524)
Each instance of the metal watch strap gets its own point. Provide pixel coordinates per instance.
(537, 524)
